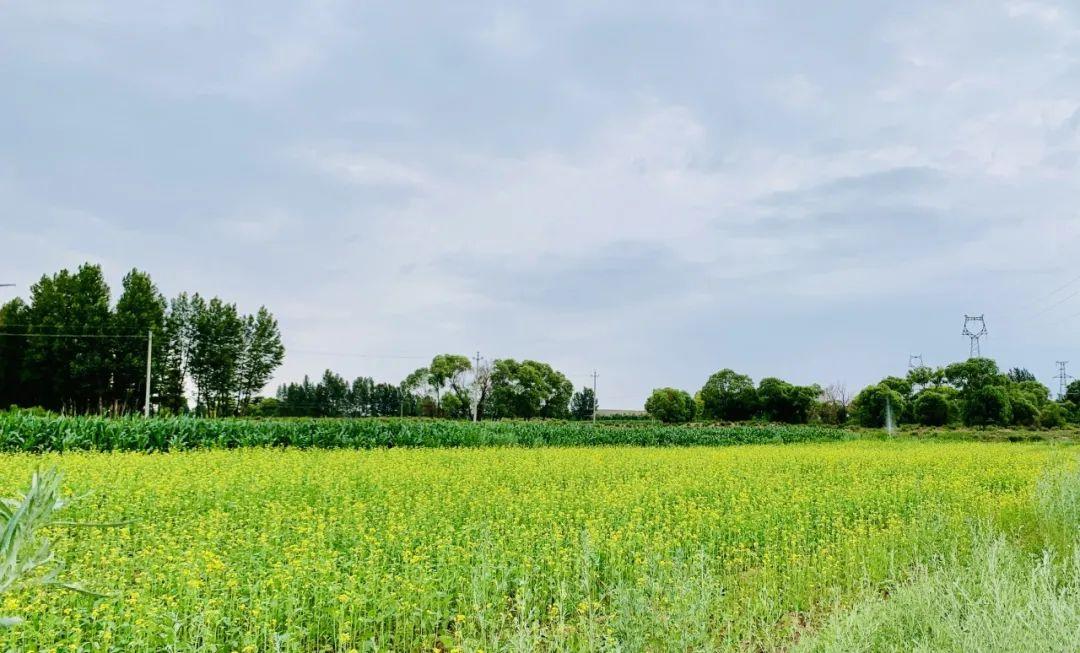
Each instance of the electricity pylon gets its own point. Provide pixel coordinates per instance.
(979, 322)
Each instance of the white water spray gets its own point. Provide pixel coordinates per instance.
(889, 424)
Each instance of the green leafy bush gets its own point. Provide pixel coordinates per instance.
(1053, 416)
(671, 406)
(988, 405)
(933, 409)
(869, 406)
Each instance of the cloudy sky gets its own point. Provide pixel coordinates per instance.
(653, 190)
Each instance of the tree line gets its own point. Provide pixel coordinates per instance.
(732, 397)
(973, 393)
(70, 349)
(451, 386)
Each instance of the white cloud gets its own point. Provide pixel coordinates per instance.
(799, 93)
(652, 194)
(508, 34)
(364, 169)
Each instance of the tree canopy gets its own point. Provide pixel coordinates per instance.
(529, 389)
(670, 405)
(728, 395)
(72, 350)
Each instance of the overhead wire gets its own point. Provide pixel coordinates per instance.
(314, 352)
(1056, 304)
(72, 335)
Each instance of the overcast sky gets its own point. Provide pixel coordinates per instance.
(654, 190)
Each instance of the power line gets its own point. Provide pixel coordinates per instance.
(980, 322)
(315, 352)
(1069, 317)
(70, 335)
(1057, 303)
(1061, 287)
(32, 326)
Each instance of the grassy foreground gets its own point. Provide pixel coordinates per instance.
(1003, 597)
(516, 549)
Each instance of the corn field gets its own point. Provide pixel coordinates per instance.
(40, 433)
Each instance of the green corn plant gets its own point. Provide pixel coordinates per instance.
(26, 555)
(20, 431)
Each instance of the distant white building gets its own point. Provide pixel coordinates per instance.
(608, 412)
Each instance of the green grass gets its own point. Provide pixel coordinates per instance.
(1004, 597)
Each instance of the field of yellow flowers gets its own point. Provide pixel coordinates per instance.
(504, 548)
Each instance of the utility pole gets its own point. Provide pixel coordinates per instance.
(914, 361)
(1063, 378)
(979, 322)
(594, 402)
(149, 356)
(474, 398)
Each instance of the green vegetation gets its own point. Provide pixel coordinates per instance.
(973, 392)
(228, 357)
(333, 396)
(671, 406)
(1004, 596)
(27, 560)
(450, 387)
(730, 396)
(583, 404)
(69, 349)
(553, 549)
(28, 431)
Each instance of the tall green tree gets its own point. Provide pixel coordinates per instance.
(67, 366)
(583, 404)
(176, 354)
(781, 401)
(262, 353)
(529, 389)
(728, 395)
(217, 349)
(139, 310)
(445, 374)
(973, 374)
(332, 395)
(14, 319)
(448, 370)
(298, 399)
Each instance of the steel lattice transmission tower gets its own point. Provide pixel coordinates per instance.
(979, 324)
(1063, 378)
(914, 361)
